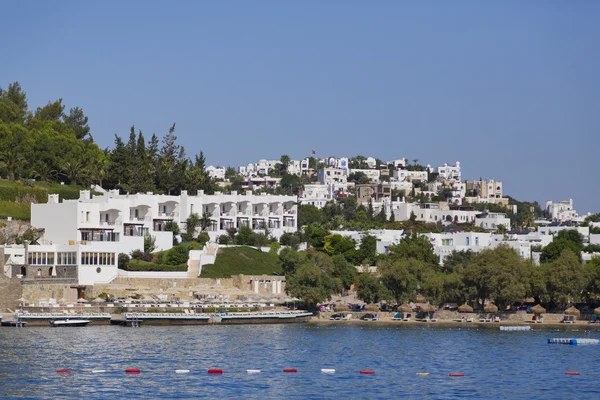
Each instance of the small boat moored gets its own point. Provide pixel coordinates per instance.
(68, 322)
(13, 323)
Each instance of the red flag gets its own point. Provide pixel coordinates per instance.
(313, 152)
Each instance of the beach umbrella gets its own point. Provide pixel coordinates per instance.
(82, 300)
(537, 309)
(21, 300)
(491, 308)
(529, 300)
(341, 307)
(572, 311)
(420, 299)
(62, 300)
(99, 300)
(427, 308)
(372, 307)
(465, 308)
(597, 310)
(405, 308)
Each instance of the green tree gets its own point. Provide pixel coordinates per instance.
(370, 290)
(177, 255)
(289, 259)
(367, 251)
(149, 243)
(344, 271)
(457, 260)
(203, 238)
(309, 214)
(191, 224)
(402, 277)
(416, 247)
(205, 221)
(497, 274)
(78, 122)
(245, 236)
(337, 244)
(565, 279)
(592, 278)
(310, 283)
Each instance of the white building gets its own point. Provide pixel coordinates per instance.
(561, 211)
(491, 221)
(449, 172)
(78, 264)
(334, 177)
(445, 243)
(317, 195)
(385, 237)
(551, 230)
(298, 167)
(124, 220)
(260, 182)
(410, 176)
(400, 163)
(372, 174)
(216, 172)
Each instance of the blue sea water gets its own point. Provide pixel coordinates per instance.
(514, 365)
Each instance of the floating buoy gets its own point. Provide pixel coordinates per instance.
(253, 371)
(573, 341)
(290, 370)
(367, 371)
(182, 371)
(63, 371)
(456, 374)
(132, 371)
(423, 373)
(98, 371)
(215, 371)
(571, 373)
(328, 371)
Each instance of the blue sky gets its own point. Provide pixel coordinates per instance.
(511, 88)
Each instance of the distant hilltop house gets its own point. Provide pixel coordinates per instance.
(562, 211)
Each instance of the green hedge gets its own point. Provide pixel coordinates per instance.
(17, 191)
(20, 211)
(140, 265)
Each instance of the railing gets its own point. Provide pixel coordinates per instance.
(47, 279)
(168, 214)
(139, 219)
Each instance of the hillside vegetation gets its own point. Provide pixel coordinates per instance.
(242, 260)
(16, 197)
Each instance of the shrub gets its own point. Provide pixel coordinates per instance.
(203, 238)
(123, 261)
(224, 239)
(177, 255)
(139, 265)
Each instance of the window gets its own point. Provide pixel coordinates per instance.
(468, 241)
(87, 216)
(98, 270)
(476, 240)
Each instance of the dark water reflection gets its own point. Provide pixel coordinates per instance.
(496, 364)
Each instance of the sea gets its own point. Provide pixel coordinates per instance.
(407, 362)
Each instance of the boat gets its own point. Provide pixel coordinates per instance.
(69, 322)
(13, 323)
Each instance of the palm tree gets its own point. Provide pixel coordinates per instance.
(13, 160)
(44, 172)
(415, 161)
(73, 171)
(205, 221)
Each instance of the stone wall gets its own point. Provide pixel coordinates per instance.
(10, 290)
(50, 291)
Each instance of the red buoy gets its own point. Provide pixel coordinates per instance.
(367, 371)
(456, 374)
(571, 373)
(215, 371)
(64, 371)
(290, 370)
(132, 371)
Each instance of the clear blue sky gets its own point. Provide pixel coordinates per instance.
(509, 88)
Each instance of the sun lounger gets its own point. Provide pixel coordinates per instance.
(595, 319)
(407, 317)
(398, 317)
(435, 318)
(487, 318)
(568, 319)
(347, 317)
(496, 319)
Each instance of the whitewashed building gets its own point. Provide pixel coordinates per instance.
(450, 172)
(372, 174)
(561, 211)
(491, 221)
(317, 195)
(336, 178)
(124, 220)
(216, 172)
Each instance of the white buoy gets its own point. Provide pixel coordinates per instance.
(423, 373)
(182, 371)
(98, 371)
(253, 371)
(328, 370)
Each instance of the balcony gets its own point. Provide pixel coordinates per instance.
(166, 215)
(134, 219)
(289, 212)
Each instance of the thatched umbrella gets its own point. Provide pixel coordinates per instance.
(597, 310)
(572, 311)
(420, 299)
(465, 308)
(405, 308)
(427, 308)
(341, 307)
(372, 307)
(491, 308)
(537, 309)
(529, 300)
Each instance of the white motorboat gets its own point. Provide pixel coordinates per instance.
(69, 322)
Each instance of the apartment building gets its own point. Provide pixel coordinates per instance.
(123, 220)
(317, 195)
(449, 172)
